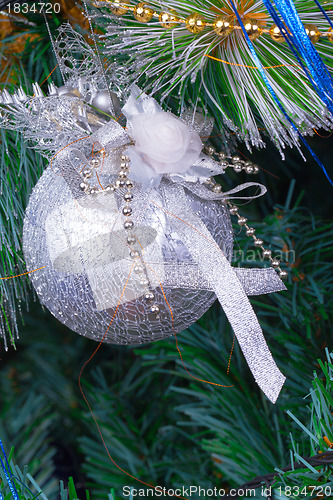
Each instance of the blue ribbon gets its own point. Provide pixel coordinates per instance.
(324, 12)
(287, 37)
(263, 74)
(8, 474)
(305, 47)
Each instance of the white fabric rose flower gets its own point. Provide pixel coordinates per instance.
(166, 143)
(163, 143)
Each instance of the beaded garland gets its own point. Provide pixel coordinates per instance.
(123, 182)
(250, 168)
(195, 23)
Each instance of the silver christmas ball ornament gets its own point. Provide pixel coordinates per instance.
(107, 102)
(113, 279)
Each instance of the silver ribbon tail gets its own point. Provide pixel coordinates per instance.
(230, 292)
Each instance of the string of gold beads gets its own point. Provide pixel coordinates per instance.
(235, 162)
(258, 242)
(122, 182)
(143, 13)
(311, 30)
(250, 231)
(120, 7)
(87, 173)
(223, 26)
(140, 271)
(195, 23)
(254, 29)
(168, 20)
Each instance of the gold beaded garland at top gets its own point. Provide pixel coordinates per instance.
(195, 23)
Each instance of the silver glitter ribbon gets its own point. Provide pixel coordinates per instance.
(231, 287)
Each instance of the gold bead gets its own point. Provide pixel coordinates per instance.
(283, 274)
(143, 13)
(313, 32)
(195, 23)
(119, 7)
(253, 29)
(330, 35)
(276, 34)
(168, 20)
(155, 310)
(149, 296)
(223, 26)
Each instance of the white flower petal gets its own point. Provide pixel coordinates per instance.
(164, 144)
(140, 171)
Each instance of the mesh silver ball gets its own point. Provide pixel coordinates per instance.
(83, 245)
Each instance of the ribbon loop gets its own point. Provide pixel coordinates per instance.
(204, 193)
